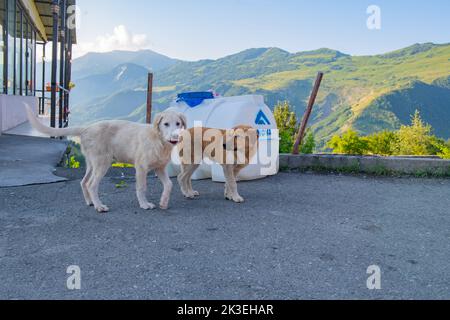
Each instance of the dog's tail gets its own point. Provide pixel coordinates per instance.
(36, 124)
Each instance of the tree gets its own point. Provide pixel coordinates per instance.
(416, 139)
(349, 143)
(413, 140)
(287, 125)
(286, 142)
(443, 148)
(445, 152)
(382, 143)
(285, 117)
(309, 143)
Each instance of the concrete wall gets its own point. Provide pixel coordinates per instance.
(12, 110)
(369, 164)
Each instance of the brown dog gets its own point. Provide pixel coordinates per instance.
(232, 149)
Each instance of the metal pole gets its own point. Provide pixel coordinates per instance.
(6, 50)
(55, 10)
(21, 55)
(27, 60)
(67, 76)
(62, 44)
(14, 32)
(35, 63)
(43, 77)
(149, 98)
(308, 112)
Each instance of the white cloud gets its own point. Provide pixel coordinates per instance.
(120, 39)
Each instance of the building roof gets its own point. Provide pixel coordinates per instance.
(44, 9)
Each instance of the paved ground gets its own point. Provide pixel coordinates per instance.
(298, 236)
(29, 160)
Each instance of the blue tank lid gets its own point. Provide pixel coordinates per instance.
(193, 99)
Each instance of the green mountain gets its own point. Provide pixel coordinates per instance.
(393, 109)
(368, 93)
(124, 77)
(97, 63)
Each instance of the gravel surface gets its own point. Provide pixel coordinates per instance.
(297, 236)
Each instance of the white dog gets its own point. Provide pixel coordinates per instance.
(147, 147)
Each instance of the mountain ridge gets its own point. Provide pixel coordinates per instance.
(352, 84)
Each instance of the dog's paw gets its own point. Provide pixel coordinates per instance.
(228, 195)
(164, 203)
(196, 193)
(147, 206)
(189, 195)
(237, 199)
(102, 209)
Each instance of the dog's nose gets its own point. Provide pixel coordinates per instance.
(176, 134)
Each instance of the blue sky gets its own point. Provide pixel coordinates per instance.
(199, 29)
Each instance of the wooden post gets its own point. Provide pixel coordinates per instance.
(308, 112)
(149, 98)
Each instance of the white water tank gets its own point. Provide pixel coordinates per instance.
(227, 113)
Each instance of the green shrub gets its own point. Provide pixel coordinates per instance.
(443, 149)
(309, 144)
(416, 139)
(73, 163)
(121, 185)
(288, 126)
(349, 143)
(285, 117)
(382, 143)
(74, 151)
(286, 142)
(122, 165)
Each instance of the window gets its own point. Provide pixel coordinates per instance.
(31, 50)
(28, 54)
(23, 57)
(18, 40)
(11, 14)
(34, 61)
(2, 45)
(17, 50)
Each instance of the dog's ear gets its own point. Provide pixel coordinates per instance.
(183, 120)
(159, 117)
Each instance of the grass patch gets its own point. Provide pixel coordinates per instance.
(376, 171)
(121, 185)
(122, 165)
